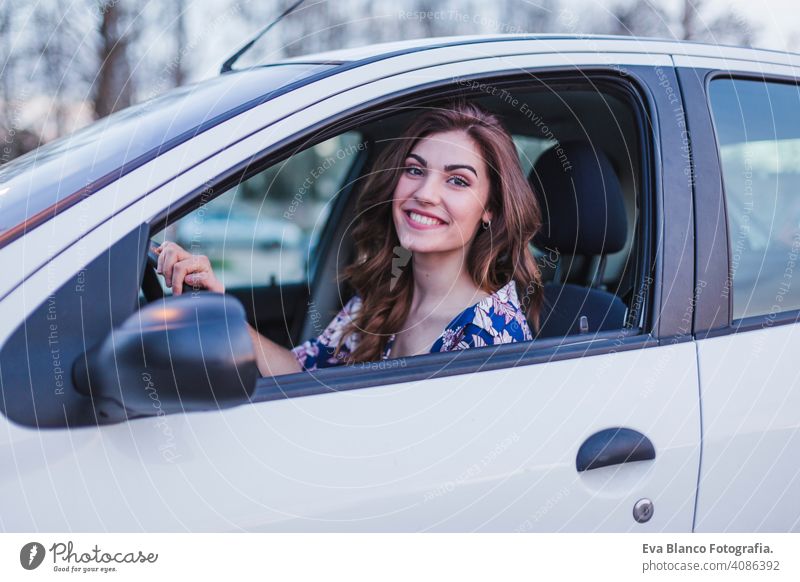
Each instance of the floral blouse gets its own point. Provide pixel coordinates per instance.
(496, 319)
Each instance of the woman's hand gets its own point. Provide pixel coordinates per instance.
(180, 268)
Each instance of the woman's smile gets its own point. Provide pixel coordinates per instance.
(422, 221)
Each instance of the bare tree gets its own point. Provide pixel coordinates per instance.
(527, 16)
(692, 22)
(179, 36)
(61, 64)
(729, 27)
(113, 88)
(8, 62)
(640, 18)
(9, 137)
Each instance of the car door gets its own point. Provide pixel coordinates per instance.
(745, 116)
(572, 434)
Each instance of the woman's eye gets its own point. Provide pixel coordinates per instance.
(413, 169)
(460, 181)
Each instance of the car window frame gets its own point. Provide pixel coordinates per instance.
(502, 356)
(714, 314)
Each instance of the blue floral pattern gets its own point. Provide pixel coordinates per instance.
(495, 319)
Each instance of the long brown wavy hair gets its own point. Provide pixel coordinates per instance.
(495, 256)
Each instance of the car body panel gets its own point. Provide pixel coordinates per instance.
(749, 384)
(750, 475)
(493, 451)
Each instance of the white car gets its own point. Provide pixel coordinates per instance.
(662, 393)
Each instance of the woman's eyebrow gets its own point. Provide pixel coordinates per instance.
(448, 168)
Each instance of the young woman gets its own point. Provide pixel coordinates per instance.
(443, 225)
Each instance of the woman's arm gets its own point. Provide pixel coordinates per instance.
(180, 268)
(273, 359)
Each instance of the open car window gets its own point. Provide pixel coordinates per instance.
(264, 230)
(579, 141)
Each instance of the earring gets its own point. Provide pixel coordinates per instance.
(487, 225)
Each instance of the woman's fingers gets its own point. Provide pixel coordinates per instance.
(180, 268)
(194, 270)
(160, 252)
(170, 255)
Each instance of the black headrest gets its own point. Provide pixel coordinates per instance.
(580, 196)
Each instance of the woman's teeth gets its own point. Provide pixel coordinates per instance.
(424, 219)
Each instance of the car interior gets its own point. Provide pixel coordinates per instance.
(580, 144)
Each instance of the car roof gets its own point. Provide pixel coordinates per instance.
(550, 43)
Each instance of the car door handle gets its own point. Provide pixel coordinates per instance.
(614, 446)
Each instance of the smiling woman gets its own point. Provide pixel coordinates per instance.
(459, 207)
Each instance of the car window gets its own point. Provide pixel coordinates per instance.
(758, 131)
(529, 149)
(264, 230)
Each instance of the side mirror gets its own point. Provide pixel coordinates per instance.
(184, 353)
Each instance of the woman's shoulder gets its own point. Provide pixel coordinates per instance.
(502, 315)
(318, 352)
(346, 313)
(496, 319)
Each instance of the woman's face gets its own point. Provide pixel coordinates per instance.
(441, 197)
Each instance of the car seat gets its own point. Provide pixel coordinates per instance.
(583, 214)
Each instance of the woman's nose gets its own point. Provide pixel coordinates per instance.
(428, 190)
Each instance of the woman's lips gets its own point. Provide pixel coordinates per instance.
(419, 225)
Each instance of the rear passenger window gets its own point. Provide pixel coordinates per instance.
(758, 132)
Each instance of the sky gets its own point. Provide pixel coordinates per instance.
(777, 20)
(776, 23)
(215, 32)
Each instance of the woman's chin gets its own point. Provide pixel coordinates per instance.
(424, 247)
